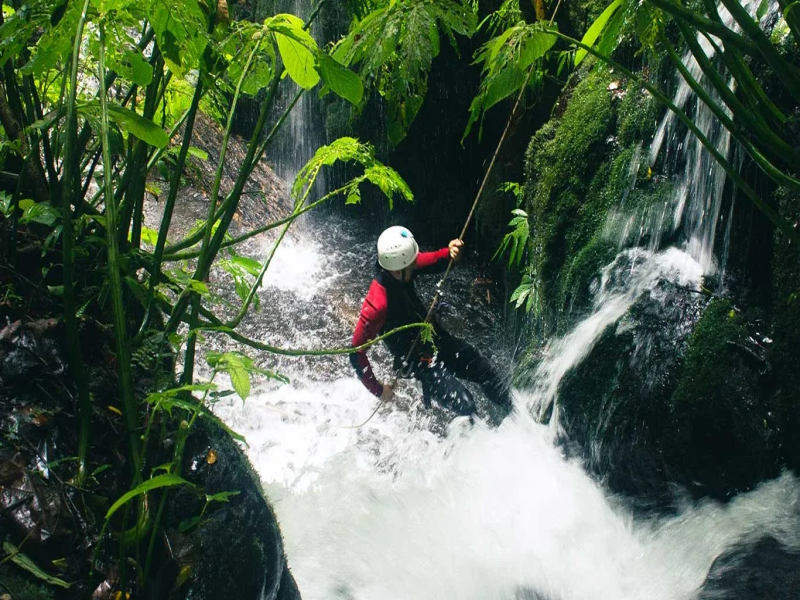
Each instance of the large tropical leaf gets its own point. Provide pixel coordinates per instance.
(596, 29)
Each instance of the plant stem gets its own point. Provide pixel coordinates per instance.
(169, 205)
(749, 116)
(735, 131)
(130, 413)
(785, 71)
(69, 195)
(210, 247)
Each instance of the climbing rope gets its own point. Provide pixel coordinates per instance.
(439, 285)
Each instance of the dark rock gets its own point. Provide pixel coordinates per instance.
(238, 546)
(656, 403)
(764, 570)
(234, 550)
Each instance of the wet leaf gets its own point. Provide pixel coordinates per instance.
(341, 80)
(31, 567)
(138, 126)
(596, 29)
(297, 50)
(159, 481)
(240, 379)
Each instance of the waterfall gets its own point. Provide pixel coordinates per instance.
(699, 181)
(395, 510)
(303, 131)
(692, 211)
(414, 506)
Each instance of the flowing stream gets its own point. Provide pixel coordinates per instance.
(415, 506)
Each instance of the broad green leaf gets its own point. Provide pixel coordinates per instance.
(535, 47)
(297, 49)
(199, 287)
(251, 266)
(138, 126)
(198, 153)
(354, 197)
(341, 80)
(31, 567)
(43, 213)
(240, 379)
(180, 31)
(132, 65)
(596, 29)
(159, 481)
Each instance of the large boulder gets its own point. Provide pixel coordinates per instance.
(668, 396)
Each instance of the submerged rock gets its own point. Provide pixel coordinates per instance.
(764, 570)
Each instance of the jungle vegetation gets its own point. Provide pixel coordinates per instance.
(96, 96)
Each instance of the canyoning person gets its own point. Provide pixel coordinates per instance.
(391, 302)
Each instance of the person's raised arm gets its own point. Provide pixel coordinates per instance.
(370, 322)
(434, 262)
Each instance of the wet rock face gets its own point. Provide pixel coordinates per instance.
(667, 396)
(239, 547)
(764, 569)
(614, 402)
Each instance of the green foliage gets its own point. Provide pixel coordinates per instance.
(597, 28)
(345, 150)
(157, 482)
(297, 49)
(394, 46)
(104, 92)
(712, 357)
(24, 562)
(506, 61)
(516, 241)
(239, 367)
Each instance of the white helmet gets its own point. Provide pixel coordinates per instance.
(397, 249)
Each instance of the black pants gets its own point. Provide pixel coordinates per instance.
(455, 359)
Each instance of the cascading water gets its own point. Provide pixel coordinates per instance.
(303, 131)
(394, 510)
(397, 510)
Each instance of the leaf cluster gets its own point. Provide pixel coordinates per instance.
(393, 47)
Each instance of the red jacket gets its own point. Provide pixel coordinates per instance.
(382, 298)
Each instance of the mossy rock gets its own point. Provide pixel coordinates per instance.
(676, 392)
(721, 434)
(613, 404)
(579, 168)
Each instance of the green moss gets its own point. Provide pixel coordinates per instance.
(721, 428)
(711, 355)
(561, 162)
(577, 170)
(638, 114)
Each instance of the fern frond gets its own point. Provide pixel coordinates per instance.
(394, 47)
